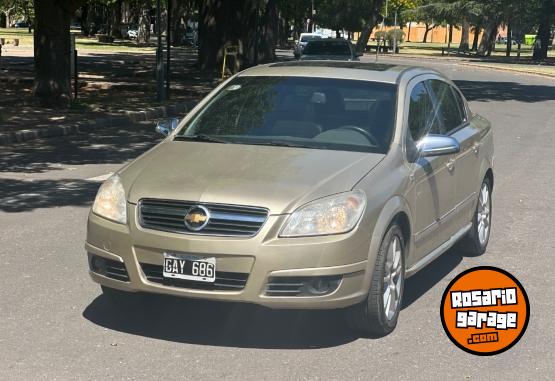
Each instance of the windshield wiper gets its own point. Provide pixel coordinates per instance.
(275, 144)
(200, 138)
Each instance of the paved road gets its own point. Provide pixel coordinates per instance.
(55, 325)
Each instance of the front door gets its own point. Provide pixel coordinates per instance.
(433, 179)
(455, 123)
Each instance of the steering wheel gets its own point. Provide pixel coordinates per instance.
(363, 132)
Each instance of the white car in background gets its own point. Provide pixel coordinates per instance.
(132, 32)
(304, 39)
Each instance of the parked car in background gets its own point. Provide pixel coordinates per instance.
(304, 38)
(301, 184)
(21, 24)
(133, 32)
(330, 49)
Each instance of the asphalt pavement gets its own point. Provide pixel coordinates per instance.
(54, 323)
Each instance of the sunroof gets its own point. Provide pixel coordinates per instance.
(338, 64)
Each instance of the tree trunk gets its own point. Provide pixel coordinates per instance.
(509, 39)
(28, 17)
(450, 38)
(362, 41)
(52, 52)
(178, 12)
(485, 47)
(465, 35)
(428, 28)
(115, 18)
(269, 38)
(544, 30)
(408, 34)
(85, 28)
(477, 30)
(8, 19)
(144, 23)
(217, 30)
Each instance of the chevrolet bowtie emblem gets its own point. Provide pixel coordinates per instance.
(197, 218)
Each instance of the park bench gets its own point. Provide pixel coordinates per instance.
(3, 41)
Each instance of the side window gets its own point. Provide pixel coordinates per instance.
(461, 104)
(450, 111)
(422, 117)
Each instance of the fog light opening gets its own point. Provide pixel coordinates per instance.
(98, 265)
(322, 285)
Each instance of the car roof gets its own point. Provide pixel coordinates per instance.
(364, 71)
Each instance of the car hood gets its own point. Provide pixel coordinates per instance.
(277, 178)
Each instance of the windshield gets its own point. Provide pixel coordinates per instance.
(318, 113)
(332, 48)
(309, 37)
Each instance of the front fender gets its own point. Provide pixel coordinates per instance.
(395, 205)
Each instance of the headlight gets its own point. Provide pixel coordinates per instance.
(110, 201)
(330, 215)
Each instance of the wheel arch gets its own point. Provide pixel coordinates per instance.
(395, 210)
(489, 175)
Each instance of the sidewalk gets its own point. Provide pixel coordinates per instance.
(114, 88)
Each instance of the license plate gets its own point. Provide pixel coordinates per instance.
(189, 267)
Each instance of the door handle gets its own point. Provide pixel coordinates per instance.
(451, 165)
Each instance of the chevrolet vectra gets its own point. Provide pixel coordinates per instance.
(305, 185)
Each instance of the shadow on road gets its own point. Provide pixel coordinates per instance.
(107, 146)
(21, 195)
(482, 91)
(424, 280)
(222, 324)
(245, 325)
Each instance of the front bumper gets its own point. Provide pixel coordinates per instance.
(260, 258)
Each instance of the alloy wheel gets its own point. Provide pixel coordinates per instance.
(484, 214)
(393, 280)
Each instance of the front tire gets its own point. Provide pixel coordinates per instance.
(377, 315)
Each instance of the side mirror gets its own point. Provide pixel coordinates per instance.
(436, 145)
(166, 126)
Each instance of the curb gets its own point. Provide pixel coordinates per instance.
(128, 118)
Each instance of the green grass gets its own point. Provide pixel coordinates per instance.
(83, 43)
(434, 49)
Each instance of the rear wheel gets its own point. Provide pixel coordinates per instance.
(377, 315)
(476, 241)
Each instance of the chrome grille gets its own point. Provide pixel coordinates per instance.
(225, 220)
(225, 281)
(285, 286)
